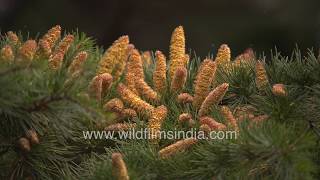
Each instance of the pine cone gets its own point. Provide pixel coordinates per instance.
(119, 168)
(178, 146)
(32, 135)
(177, 50)
(24, 144)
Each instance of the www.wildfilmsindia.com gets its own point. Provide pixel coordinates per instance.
(144, 133)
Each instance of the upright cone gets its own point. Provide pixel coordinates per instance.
(114, 59)
(177, 50)
(203, 82)
(159, 74)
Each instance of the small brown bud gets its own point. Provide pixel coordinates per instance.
(279, 90)
(185, 117)
(179, 79)
(212, 123)
(184, 98)
(114, 105)
(24, 144)
(32, 136)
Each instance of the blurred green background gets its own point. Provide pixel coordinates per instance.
(260, 24)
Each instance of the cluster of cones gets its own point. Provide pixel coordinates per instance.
(136, 98)
(30, 138)
(51, 46)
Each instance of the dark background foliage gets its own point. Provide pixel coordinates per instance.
(260, 24)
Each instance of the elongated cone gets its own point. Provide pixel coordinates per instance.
(120, 127)
(159, 74)
(27, 51)
(47, 42)
(115, 57)
(134, 101)
(100, 84)
(146, 91)
(212, 123)
(130, 76)
(155, 122)
(177, 50)
(228, 116)
(32, 135)
(180, 78)
(134, 70)
(223, 55)
(261, 76)
(13, 38)
(177, 147)
(184, 98)
(137, 67)
(203, 82)
(56, 58)
(77, 63)
(130, 79)
(213, 98)
(6, 54)
(279, 90)
(203, 64)
(123, 59)
(119, 168)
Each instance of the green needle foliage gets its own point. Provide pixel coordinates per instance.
(58, 107)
